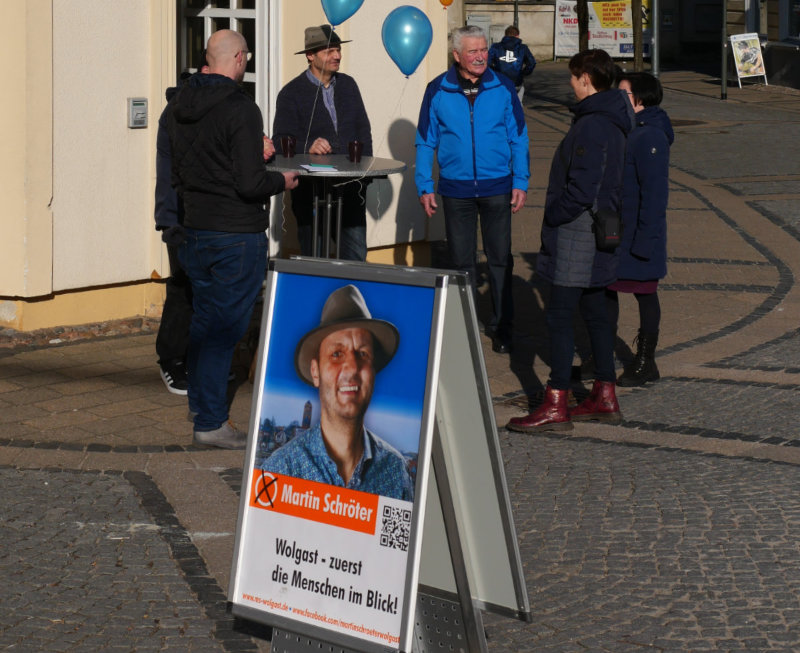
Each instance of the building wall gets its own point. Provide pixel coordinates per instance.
(773, 22)
(735, 17)
(26, 161)
(102, 170)
(77, 185)
(536, 24)
(79, 244)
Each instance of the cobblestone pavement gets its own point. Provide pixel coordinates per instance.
(674, 531)
(631, 549)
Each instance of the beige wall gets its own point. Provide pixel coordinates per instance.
(102, 193)
(77, 185)
(25, 153)
(392, 102)
(536, 23)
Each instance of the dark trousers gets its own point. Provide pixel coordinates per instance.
(353, 242)
(227, 271)
(649, 311)
(560, 310)
(172, 340)
(461, 226)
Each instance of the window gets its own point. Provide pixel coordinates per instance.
(199, 19)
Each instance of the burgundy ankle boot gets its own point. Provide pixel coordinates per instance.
(552, 415)
(600, 406)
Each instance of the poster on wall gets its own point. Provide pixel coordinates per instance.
(610, 28)
(330, 526)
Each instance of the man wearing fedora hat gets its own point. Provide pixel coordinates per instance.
(323, 110)
(340, 357)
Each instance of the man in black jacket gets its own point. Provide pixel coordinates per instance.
(216, 140)
(323, 110)
(172, 340)
(512, 58)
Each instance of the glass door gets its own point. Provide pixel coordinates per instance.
(199, 19)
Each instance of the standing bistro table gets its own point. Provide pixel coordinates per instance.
(327, 194)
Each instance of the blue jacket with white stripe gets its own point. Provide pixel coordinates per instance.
(482, 148)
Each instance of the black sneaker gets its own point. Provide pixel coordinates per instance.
(174, 377)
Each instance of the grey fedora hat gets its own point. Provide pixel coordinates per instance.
(345, 308)
(320, 36)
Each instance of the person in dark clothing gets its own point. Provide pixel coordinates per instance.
(216, 140)
(172, 340)
(586, 175)
(643, 249)
(512, 58)
(323, 110)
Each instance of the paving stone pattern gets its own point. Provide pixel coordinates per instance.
(717, 408)
(781, 354)
(636, 549)
(740, 153)
(783, 212)
(630, 545)
(85, 568)
(766, 187)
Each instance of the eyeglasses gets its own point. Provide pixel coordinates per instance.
(248, 55)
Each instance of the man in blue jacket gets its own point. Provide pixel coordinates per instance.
(472, 120)
(512, 58)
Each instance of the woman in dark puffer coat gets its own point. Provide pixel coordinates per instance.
(586, 175)
(643, 250)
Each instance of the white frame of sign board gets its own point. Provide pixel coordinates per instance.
(468, 555)
(473, 524)
(753, 41)
(247, 563)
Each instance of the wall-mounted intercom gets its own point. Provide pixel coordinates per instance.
(137, 112)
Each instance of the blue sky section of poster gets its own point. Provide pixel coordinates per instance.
(396, 406)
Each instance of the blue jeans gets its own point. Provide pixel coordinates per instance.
(560, 310)
(226, 271)
(461, 226)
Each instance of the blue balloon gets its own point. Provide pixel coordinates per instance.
(407, 35)
(339, 11)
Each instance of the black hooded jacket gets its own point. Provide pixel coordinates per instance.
(216, 137)
(586, 173)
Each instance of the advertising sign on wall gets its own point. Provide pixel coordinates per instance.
(610, 28)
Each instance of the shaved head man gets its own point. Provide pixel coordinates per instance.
(216, 136)
(227, 54)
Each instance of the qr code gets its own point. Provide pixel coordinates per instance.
(395, 528)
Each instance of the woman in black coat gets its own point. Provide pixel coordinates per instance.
(643, 249)
(586, 175)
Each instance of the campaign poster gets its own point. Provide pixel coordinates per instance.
(333, 473)
(610, 28)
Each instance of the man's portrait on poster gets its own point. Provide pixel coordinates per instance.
(342, 357)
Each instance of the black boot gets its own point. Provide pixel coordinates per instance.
(643, 369)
